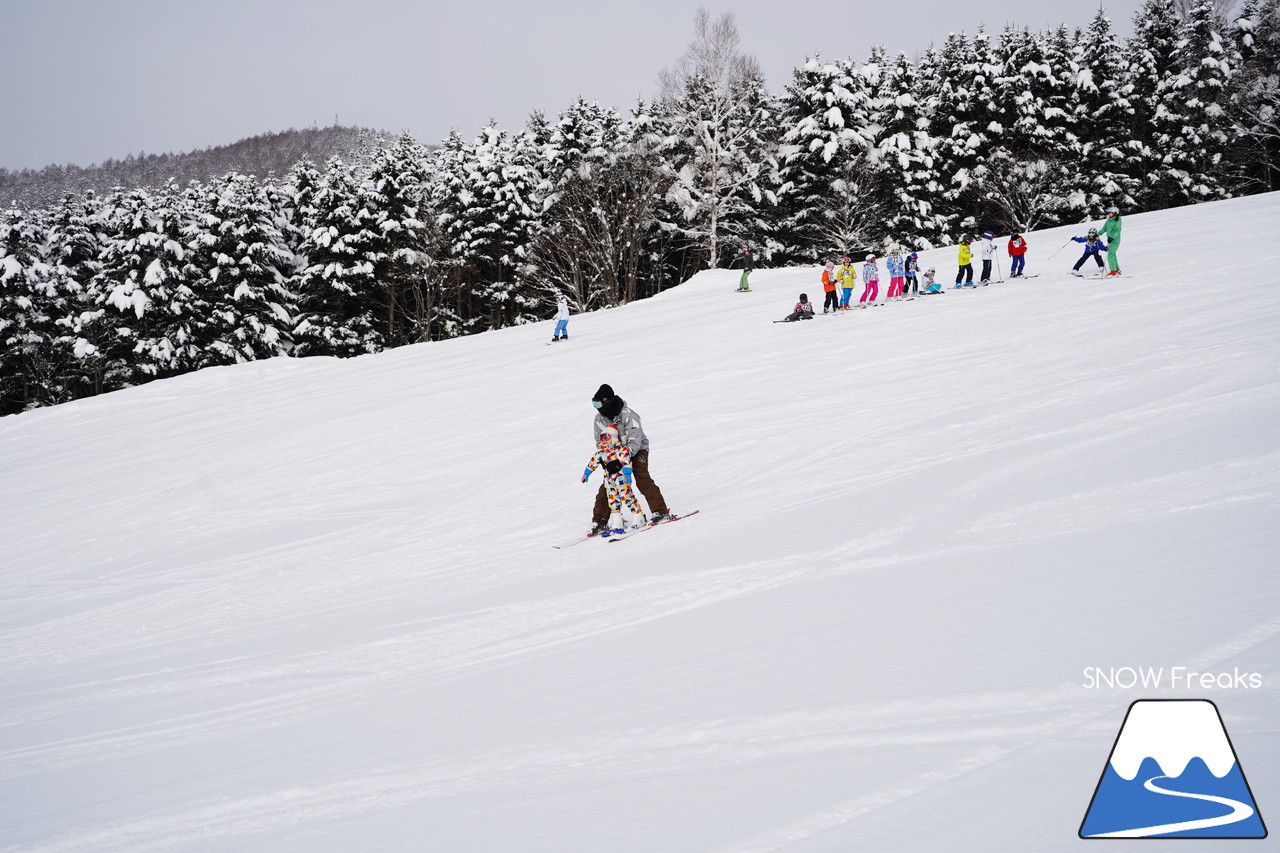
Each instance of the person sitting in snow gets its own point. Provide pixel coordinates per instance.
(803, 310)
(613, 411)
(930, 284)
(1093, 247)
(615, 459)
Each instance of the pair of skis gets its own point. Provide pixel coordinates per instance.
(610, 536)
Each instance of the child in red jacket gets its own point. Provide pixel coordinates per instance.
(615, 459)
(1017, 254)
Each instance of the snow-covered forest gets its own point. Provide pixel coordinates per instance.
(1016, 129)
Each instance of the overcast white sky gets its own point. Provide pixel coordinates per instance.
(88, 80)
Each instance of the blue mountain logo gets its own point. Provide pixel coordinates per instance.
(1173, 773)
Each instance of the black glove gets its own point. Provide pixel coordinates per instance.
(613, 466)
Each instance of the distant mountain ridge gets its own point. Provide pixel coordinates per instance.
(263, 155)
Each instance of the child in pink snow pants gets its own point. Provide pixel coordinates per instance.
(870, 281)
(897, 274)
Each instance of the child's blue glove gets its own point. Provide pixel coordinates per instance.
(626, 472)
(586, 474)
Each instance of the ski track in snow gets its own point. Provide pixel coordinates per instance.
(917, 508)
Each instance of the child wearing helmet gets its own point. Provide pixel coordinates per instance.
(987, 251)
(803, 311)
(829, 287)
(897, 274)
(1093, 247)
(1017, 254)
(870, 281)
(617, 484)
(910, 269)
(964, 275)
(846, 276)
(930, 284)
(1111, 230)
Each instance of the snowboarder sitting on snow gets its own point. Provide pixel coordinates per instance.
(615, 459)
(803, 310)
(612, 411)
(1093, 246)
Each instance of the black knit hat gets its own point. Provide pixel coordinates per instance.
(605, 393)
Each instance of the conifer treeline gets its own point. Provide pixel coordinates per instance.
(1017, 130)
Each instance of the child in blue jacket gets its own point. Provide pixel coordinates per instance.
(1093, 246)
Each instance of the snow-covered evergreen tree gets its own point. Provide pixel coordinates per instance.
(250, 312)
(28, 309)
(1195, 137)
(1104, 117)
(337, 291)
(1255, 99)
(827, 205)
(1152, 60)
(396, 190)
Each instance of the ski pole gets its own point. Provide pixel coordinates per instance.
(1063, 246)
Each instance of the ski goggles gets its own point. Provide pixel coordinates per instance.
(597, 403)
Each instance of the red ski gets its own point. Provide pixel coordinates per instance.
(618, 537)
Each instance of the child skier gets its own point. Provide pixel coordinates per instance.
(847, 278)
(1093, 247)
(987, 251)
(930, 285)
(829, 287)
(562, 319)
(617, 485)
(897, 273)
(747, 266)
(1111, 230)
(1017, 254)
(870, 281)
(965, 273)
(803, 310)
(912, 267)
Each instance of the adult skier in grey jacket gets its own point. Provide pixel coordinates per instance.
(612, 410)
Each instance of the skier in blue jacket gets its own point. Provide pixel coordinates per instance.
(1093, 246)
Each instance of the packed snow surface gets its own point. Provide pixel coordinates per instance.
(314, 605)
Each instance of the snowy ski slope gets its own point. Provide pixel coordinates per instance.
(313, 605)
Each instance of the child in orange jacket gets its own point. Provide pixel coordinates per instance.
(832, 301)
